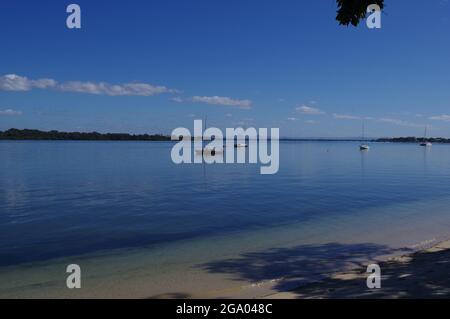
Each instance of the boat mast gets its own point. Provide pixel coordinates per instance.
(363, 132)
(206, 118)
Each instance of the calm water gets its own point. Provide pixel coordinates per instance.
(62, 200)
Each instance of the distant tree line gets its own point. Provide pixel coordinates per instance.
(15, 134)
(412, 139)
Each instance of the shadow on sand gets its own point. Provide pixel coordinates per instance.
(423, 274)
(171, 295)
(339, 271)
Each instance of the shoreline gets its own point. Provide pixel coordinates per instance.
(289, 268)
(419, 274)
(13, 134)
(319, 140)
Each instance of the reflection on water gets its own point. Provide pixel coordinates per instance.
(76, 197)
(63, 199)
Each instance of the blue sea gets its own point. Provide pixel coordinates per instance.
(141, 226)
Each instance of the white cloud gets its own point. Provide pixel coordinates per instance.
(44, 83)
(391, 121)
(215, 100)
(136, 89)
(303, 109)
(351, 117)
(443, 117)
(10, 112)
(399, 122)
(177, 99)
(381, 120)
(13, 82)
(225, 101)
(346, 117)
(292, 119)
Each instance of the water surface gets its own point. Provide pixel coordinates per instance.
(141, 225)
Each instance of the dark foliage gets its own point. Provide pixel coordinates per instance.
(352, 11)
(413, 139)
(15, 134)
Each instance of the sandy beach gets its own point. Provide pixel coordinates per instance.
(423, 274)
(419, 274)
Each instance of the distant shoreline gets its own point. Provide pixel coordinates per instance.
(37, 135)
(26, 134)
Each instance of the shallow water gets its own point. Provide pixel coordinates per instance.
(141, 226)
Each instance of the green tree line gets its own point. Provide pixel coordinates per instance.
(16, 134)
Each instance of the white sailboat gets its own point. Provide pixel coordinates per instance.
(208, 151)
(425, 143)
(364, 146)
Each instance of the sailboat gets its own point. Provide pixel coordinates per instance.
(425, 143)
(207, 151)
(364, 147)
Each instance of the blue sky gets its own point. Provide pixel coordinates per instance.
(151, 66)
